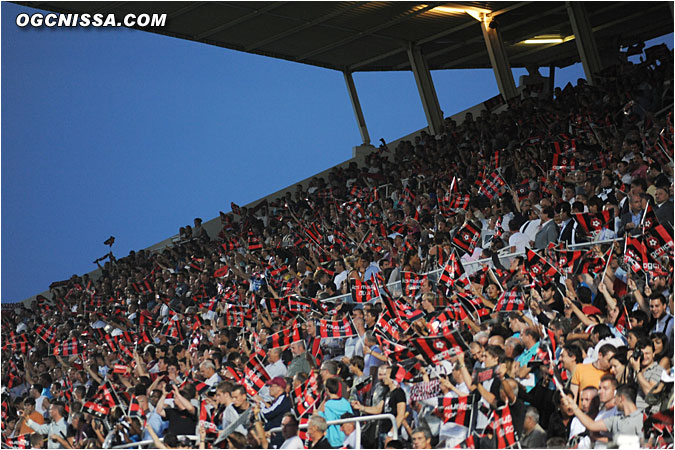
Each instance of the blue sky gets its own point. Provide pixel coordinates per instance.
(119, 132)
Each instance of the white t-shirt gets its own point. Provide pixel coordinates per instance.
(520, 241)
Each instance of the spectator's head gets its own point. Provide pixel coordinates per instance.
(657, 306)
(626, 394)
(277, 386)
(298, 348)
(607, 390)
(349, 427)
(207, 369)
(239, 396)
(531, 419)
(289, 426)
(421, 438)
(333, 388)
(329, 369)
(316, 428)
(588, 400)
(571, 356)
(638, 318)
(605, 354)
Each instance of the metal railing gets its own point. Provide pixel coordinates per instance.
(358, 421)
(146, 443)
(471, 267)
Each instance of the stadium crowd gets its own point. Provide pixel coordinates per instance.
(505, 283)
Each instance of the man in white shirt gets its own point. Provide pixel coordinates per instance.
(289, 430)
(587, 397)
(606, 391)
(275, 368)
(517, 241)
(341, 274)
(354, 344)
(208, 371)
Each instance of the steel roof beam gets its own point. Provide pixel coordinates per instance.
(292, 31)
(408, 14)
(242, 19)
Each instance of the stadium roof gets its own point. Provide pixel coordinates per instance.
(375, 36)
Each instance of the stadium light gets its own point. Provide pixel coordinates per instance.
(547, 39)
(477, 13)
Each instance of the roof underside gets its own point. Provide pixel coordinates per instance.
(374, 36)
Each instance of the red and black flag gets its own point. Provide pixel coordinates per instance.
(472, 302)
(335, 328)
(22, 441)
(567, 259)
(503, 427)
(491, 187)
(649, 219)
(454, 272)
(284, 337)
(563, 163)
(439, 348)
(589, 263)
(446, 321)
(402, 372)
(390, 327)
(511, 300)
(523, 190)
(537, 266)
(454, 409)
(255, 376)
(69, 347)
(411, 283)
(106, 395)
(467, 237)
(206, 419)
(172, 329)
(658, 242)
(460, 202)
(235, 208)
(306, 395)
(635, 253)
(135, 408)
(363, 291)
(595, 222)
(253, 242)
(96, 410)
(47, 334)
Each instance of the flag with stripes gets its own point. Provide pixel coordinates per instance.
(135, 407)
(635, 253)
(446, 320)
(511, 300)
(537, 266)
(363, 291)
(255, 376)
(491, 187)
(467, 237)
(567, 260)
(69, 347)
(411, 283)
(284, 337)
(454, 409)
(390, 327)
(460, 202)
(22, 441)
(206, 419)
(47, 334)
(438, 348)
(594, 222)
(335, 328)
(658, 242)
(563, 163)
(503, 427)
(96, 410)
(454, 272)
(306, 395)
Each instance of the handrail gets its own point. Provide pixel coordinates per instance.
(468, 264)
(140, 444)
(358, 421)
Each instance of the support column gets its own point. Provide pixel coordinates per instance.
(499, 60)
(583, 35)
(356, 105)
(425, 86)
(551, 80)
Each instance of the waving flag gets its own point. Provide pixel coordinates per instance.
(635, 253)
(284, 337)
(537, 266)
(658, 242)
(454, 272)
(96, 410)
(503, 427)
(411, 283)
(363, 291)
(69, 347)
(390, 327)
(594, 222)
(206, 419)
(467, 237)
(438, 348)
(454, 409)
(511, 300)
(255, 376)
(491, 186)
(22, 441)
(47, 334)
(335, 328)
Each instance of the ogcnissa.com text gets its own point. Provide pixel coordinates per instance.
(90, 20)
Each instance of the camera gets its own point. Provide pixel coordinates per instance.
(637, 355)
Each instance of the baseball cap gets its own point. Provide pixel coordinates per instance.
(279, 381)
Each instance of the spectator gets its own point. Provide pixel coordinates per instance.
(289, 430)
(317, 432)
(534, 435)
